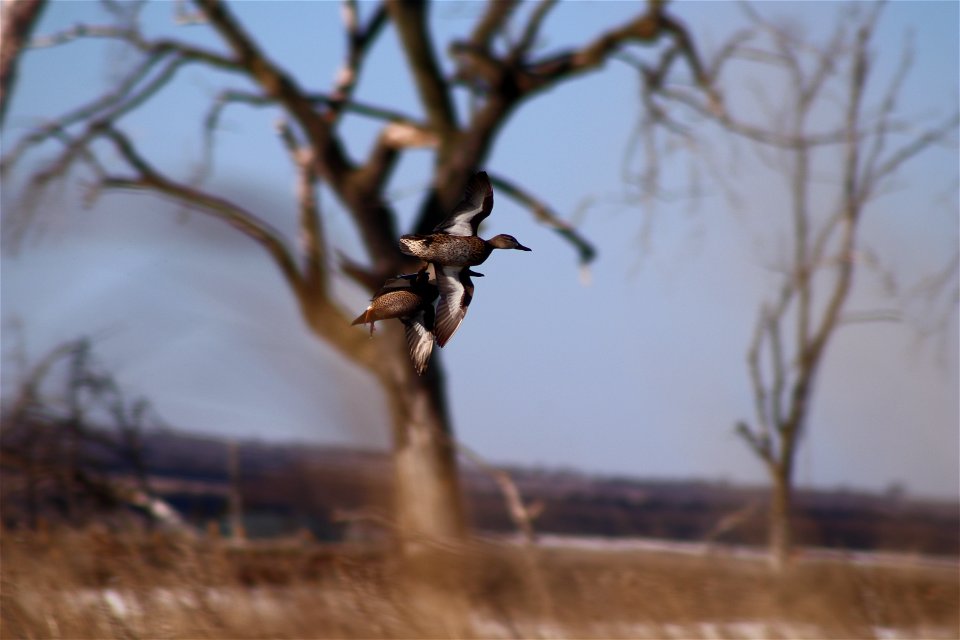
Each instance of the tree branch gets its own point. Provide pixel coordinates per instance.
(374, 219)
(230, 97)
(759, 387)
(863, 317)
(885, 115)
(778, 359)
(277, 84)
(759, 443)
(532, 29)
(410, 19)
(647, 27)
(491, 23)
(752, 132)
(520, 513)
(317, 309)
(852, 198)
(130, 34)
(359, 41)
(19, 19)
(106, 108)
(542, 212)
(312, 243)
(149, 179)
(913, 148)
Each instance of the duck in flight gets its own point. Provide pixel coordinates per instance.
(408, 298)
(453, 247)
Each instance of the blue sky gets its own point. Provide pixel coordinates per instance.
(642, 372)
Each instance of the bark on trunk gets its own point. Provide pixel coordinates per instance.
(781, 508)
(428, 504)
(427, 499)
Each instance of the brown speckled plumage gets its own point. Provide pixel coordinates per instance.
(408, 298)
(392, 304)
(447, 250)
(454, 242)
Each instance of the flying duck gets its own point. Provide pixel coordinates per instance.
(453, 247)
(408, 298)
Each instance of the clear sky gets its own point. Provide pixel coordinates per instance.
(642, 372)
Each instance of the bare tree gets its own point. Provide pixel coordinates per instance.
(499, 69)
(822, 119)
(71, 442)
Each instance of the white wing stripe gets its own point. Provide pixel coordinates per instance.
(475, 206)
(450, 311)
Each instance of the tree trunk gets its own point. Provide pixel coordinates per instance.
(428, 503)
(237, 530)
(781, 508)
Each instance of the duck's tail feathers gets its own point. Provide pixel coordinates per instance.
(362, 318)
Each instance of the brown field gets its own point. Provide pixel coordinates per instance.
(98, 585)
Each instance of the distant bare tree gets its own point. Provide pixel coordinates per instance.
(864, 145)
(67, 433)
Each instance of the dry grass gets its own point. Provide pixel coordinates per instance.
(94, 585)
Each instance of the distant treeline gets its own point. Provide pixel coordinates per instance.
(337, 493)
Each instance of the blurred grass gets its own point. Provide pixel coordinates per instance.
(95, 584)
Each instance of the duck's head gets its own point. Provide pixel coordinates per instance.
(504, 241)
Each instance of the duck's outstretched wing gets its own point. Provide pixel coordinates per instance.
(456, 292)
(476, 205)
(420, 338)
